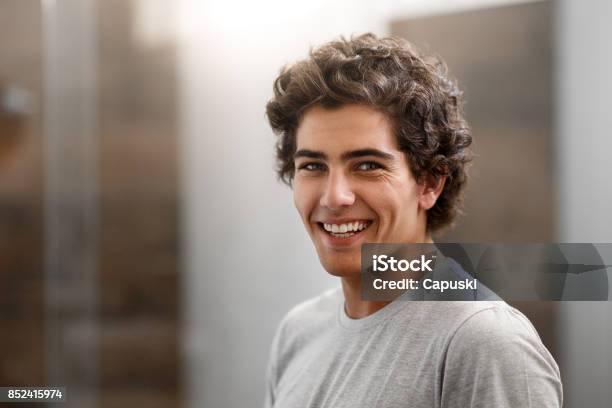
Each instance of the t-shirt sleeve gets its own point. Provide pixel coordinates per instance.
(496, 359)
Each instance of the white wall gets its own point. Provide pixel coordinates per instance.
(584, 168)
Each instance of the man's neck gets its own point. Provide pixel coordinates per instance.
(354, 306)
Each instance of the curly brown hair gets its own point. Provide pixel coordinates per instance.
(388, 74)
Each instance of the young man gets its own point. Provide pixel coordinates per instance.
(373, 141)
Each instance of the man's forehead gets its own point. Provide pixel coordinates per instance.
(345, 118)
(347, 128)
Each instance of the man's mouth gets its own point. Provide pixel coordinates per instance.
(345, 230)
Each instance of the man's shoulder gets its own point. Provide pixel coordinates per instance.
(310, 316)
(467, 321)
(453, 313)
(304, 322)
(495, 323)
(499, 345)
(314, 310)
(483, 317)
(493, 331)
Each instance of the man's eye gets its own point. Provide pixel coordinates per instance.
(369, 166)
(312, 167)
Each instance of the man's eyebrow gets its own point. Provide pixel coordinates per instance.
(353, 154)
(310, 154)
(366, 152)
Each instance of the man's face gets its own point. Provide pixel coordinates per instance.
(353, 185)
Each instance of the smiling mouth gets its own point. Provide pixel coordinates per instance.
(345, 230)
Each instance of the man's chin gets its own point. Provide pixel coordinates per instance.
(339, 263)
(342, 269)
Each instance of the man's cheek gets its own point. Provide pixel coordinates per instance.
(303, 211)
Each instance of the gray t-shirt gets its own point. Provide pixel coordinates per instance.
(410, 354)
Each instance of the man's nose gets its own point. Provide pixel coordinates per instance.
(338, 192)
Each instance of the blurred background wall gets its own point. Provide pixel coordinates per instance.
(584, 194)
(147, 252)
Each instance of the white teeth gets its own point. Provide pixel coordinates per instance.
(345, 228)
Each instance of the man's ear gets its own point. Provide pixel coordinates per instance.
(431, 189)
